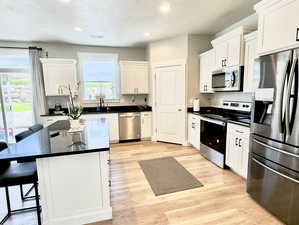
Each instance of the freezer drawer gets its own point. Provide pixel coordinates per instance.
(275, 187)
(282, 154)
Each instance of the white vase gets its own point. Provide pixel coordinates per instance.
(75, 124)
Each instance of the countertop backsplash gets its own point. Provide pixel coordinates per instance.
(123, 101)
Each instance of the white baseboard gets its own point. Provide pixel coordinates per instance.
(85, 218)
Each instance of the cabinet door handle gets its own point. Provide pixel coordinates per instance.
(222, 63)
(297, 34)
(59, 91)
(239, 131)
(236, 141)
(240, 142)
(193, 125)
(225, 62)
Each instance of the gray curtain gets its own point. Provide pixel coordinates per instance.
(39, 97)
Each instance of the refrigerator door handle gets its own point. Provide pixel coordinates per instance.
(288, 95)
(276, 149)
(282, 99)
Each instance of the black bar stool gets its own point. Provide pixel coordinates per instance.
(19, 137)
(36, 128)
(33, 129)
(17, 174)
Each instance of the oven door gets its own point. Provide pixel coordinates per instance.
(213, 134)
(213, 140)
(275, 187)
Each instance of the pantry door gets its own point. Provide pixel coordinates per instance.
(170, 103)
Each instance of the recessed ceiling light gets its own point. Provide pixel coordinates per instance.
(96, 36)
(165, 7)
(65, 1)
(147, 34)
(78, 29)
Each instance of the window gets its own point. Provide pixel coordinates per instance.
(99, 76)
(16, 93)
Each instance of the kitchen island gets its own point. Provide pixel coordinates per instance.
(73, 171)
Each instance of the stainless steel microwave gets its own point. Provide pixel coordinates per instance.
(228, 79)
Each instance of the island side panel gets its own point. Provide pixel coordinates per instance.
(75, 189)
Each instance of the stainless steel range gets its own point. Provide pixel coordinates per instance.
(213, 128)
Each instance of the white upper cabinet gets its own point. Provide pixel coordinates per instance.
(58, 75)
(229, 48)
(134, 77)
(235, 48)
(221, 50)
(278, 25)
(206, 67)
(251, 78)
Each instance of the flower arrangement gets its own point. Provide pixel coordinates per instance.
(74, 109)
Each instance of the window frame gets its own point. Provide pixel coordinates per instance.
(90, 55)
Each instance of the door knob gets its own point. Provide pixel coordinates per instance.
(180, 110)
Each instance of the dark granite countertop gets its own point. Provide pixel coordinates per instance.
(55, 140)
(243, 118)
(111, 109)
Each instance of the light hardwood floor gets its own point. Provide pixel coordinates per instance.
(222, 200)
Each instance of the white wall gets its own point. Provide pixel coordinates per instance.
(187, 47)
(63, 50)
(168, 49)
(217, 99)
(197, 44)
(250, 21)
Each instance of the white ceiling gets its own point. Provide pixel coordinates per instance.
(121, 22)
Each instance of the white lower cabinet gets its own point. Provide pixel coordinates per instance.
(237, 148)
(113, 124)
(62, 182)
(194, 130)
(146, 125)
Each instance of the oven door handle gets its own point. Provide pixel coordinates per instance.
(221, 123)
(274, 171)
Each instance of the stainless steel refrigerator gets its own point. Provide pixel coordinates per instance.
(273, 174)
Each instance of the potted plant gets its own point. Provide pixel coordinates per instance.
(74, 110)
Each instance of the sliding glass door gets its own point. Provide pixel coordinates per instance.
(16, 94)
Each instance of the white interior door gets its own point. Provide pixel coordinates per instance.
(170, 99)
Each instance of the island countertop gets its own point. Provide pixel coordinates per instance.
(56, 140)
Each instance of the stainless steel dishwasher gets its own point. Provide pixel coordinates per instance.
(129, 126)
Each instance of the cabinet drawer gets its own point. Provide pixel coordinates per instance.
(146, 114)
(242, 130)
